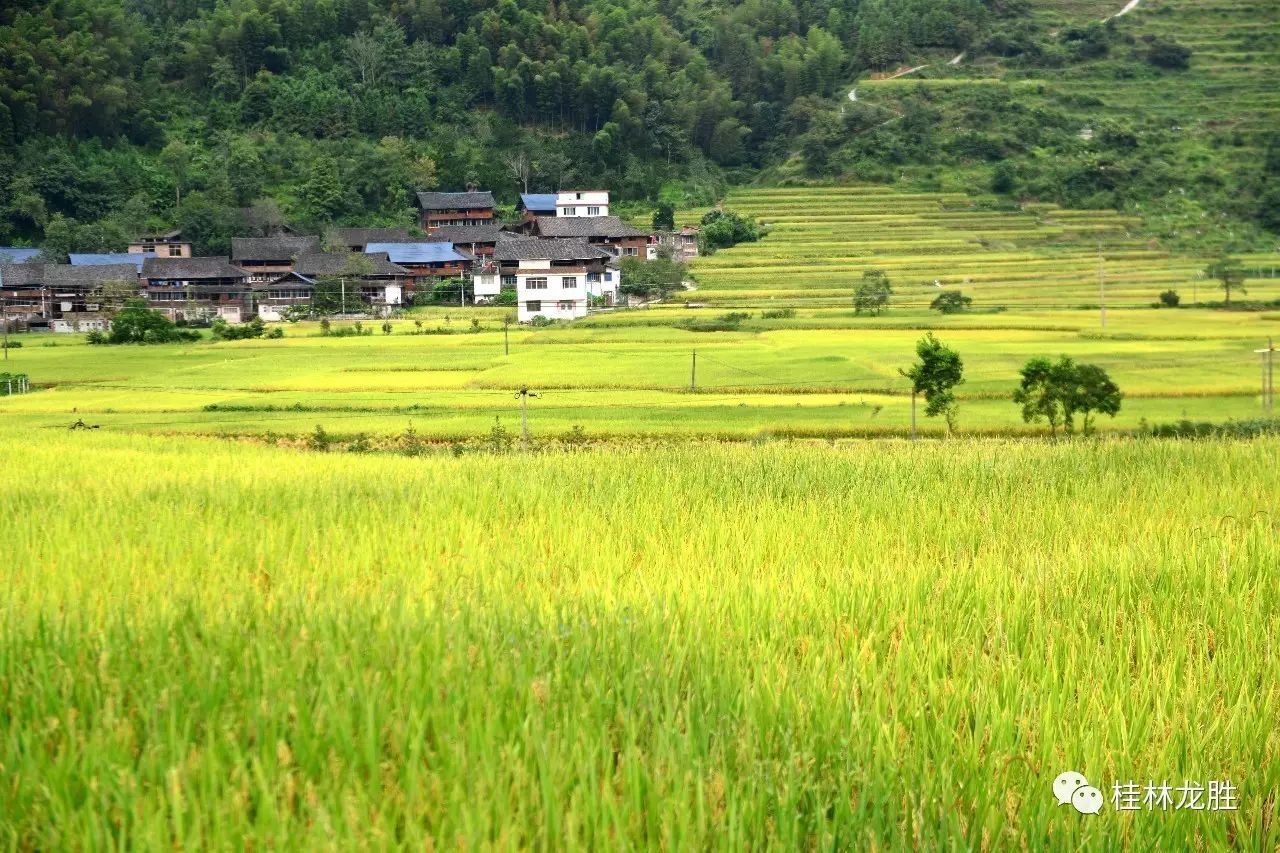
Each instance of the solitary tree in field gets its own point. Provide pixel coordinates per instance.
(1229, 273)
(1092, 392)
(935, 375)
(872, 295)
(1058, 391)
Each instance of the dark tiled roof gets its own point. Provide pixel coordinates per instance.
(456, 201)
(535, 249)
(22, 275)
(280, 248)
(364, 236)
(190, 268)
(335, 263)
(466, 234)
(586, 226)
(90, 274)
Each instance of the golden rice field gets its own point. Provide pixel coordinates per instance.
(1040, 256)
(210, 644)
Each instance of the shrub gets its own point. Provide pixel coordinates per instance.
(778, 314)
(951, 302)
(1170, 299)
(1164, 53)
(722, 229)
(137, 324)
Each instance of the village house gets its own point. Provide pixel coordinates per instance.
(36, 294)
(683, 244)
(424, 261)
(167, 245)
(383, 285)
(197, 288)
(572, 203)
(23, 298)
(268, 258)
(558, 278)
(476, 240)
(467, 209)
(533, 205)
(291, 290)
(356, 239)
(607, 232)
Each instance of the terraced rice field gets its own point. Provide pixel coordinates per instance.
(1234, 75)
(1040, 256)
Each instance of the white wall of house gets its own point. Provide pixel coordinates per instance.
(582, 203)
(555, 294)
(84, 325)
(393, 294)
(604, 284)
(486, 285)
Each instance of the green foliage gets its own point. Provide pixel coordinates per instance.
(654, 279)
(872, 294)
(1057, 391)
(664, 218)
(221, 330)
(1168, 54)
(723, 228)
(1230, 276)
(135, 323)
(936, 375)
(1170, 298)
(951, 302)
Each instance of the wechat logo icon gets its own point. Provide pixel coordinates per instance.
(1071, 787)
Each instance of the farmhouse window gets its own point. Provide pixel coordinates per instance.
(539, 283)
(569, 282)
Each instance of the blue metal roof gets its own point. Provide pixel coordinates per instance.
(538, 201)
(97, 260)
(14, 255)
(416, 253)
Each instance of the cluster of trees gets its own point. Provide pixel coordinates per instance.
(721, 229)
(188, 112)
(135, 323)
(1054, 392)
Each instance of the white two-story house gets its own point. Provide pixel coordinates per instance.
(556, 279)
(582, 203)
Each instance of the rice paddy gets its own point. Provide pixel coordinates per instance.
(214, 644)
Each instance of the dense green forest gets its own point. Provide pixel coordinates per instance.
(218, 115)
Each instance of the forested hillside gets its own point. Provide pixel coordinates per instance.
(119, 116)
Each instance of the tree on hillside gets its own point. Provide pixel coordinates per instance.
(664, 218)
(951, 302)
(872, 295)
(1229, 273)
(936, 374)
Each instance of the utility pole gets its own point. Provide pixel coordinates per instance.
(913, 413)
(4, 316)
(524, 394)
(506, 342)
(1102, 287)
(462, 292)
(342, 308)
(1268, 376)
(693, 373)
